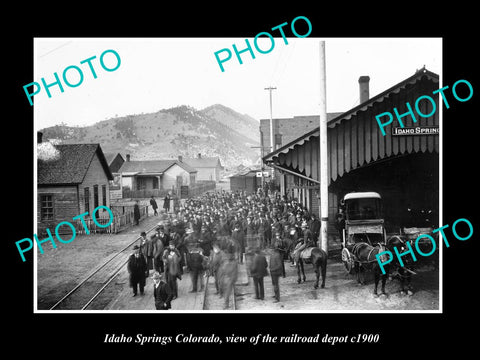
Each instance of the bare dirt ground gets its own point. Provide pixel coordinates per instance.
(60, 270)
(341, 292)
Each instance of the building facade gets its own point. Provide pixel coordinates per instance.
(403, 169)
(208, 168)
(72, 184)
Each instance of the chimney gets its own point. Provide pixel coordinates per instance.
(39, 137)
(363, 82)
(199, 155)
(180, 158)
(128, 157)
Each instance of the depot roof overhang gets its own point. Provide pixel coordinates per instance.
(275, 158)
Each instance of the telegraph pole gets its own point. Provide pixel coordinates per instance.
(323, 165)
(272, 139)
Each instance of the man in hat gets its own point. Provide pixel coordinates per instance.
(147, 250)
(238, 236)
(158, 248)
(161, 292)
(196, 263)
(136, 212)
(154, 205)
(137, 266)
(258, 270)
(314, 226)
(179, 245)
(171, 259)
(162, 235)
(166, 203)
(303, 242)
(277, 267)
(206, 240)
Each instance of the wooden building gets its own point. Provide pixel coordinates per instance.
(156, 174)
(245, 180)
(115, 161)
(403, 169)
(75, 182)
(208, 168)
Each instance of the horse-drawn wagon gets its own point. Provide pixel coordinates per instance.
(364, 235)
(364, 224)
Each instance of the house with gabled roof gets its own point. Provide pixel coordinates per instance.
(156, 174)
(208, 168)
(72, 183)
(115, 161)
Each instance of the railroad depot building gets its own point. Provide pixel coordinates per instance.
(402, 166)
(75, 182)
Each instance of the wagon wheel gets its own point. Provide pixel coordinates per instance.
(347, 259)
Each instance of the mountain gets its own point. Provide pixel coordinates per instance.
(244, 124)
(168, 133)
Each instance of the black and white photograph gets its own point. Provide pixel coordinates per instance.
(208, 169)
(298, 180)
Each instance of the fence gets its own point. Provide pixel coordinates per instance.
(185, 191)
(199, 188)
(144, 193)
(122, 218)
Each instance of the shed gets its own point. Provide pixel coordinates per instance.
(245, 180)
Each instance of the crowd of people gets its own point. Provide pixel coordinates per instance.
(216, 231)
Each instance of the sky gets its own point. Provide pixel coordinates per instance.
(160, 73)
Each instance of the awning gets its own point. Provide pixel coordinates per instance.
(354, 137)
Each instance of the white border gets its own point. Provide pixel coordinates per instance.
(282, 312)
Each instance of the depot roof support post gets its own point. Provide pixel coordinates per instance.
(323, 158)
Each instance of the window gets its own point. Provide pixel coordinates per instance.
(141, 183)
(363, 209)
(87, 199)
(155, 183)
(278, 139)
(95, 196)
(46, 207)
(104, 195)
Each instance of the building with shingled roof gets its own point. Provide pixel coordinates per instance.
(156, 174)
(74, 182)
(208, 168)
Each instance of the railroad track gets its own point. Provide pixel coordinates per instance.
(84, 294)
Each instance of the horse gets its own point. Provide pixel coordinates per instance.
(318, 258)
(365, 258)
(423, 244)
(403, 273)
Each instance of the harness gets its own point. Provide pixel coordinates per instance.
(356, 248)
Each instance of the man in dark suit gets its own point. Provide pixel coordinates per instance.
(277, 268)
(163, 236)
(171, 259)
(136, 213)
(154, 206)
(166, 203)
(161, 292)
(258, 271)
(314, 226)
(137, 266)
